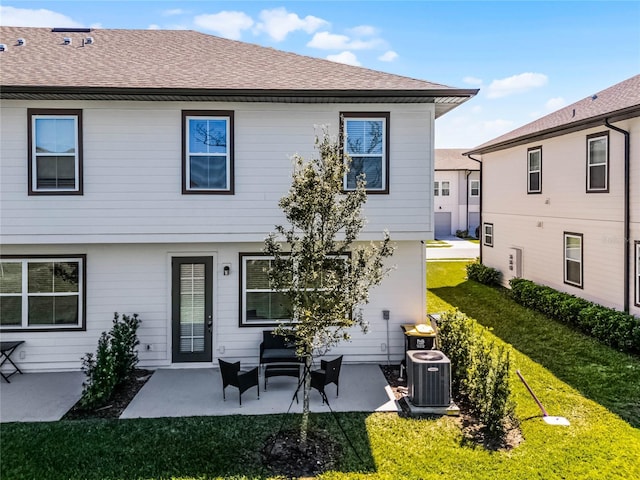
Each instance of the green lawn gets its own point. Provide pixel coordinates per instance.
(593, 386)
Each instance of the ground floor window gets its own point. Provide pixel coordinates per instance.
(573, 269)
(637, 249)
(42, 293)
(487, 234)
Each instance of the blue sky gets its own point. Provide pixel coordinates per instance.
(527, 58)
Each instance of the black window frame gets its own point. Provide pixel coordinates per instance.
(484, 234)
(386, 116)
(32, 170)
(566, 259)
(82, 295)
(530, 190)
(229, 115)
(590, 138)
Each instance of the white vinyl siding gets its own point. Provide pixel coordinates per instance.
(573, 268)
(598, 163)
(534, 170)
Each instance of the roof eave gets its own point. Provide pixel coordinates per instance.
(441, 96)
(615, 116)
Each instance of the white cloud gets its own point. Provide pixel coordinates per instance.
(334, 41)
(516, 84)
(345, 57)
(468, 131)
(278, 23)
(554, 104)
(363, 31)
(388, 56)
(24, 17)
(153, 26)
(472, 80)
(226, 24)
(172, 12)
(476, 109)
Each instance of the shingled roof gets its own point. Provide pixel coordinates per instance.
(453, 159)
(184, 64)
(616, 103)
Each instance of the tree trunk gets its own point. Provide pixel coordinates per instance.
(304, 424)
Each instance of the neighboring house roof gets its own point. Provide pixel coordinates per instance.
(184, 64)
(616, 103)
(453, 159)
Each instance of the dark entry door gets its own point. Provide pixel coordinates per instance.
(191, 308)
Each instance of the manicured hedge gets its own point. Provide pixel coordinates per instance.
(483, 274)
(618, 329)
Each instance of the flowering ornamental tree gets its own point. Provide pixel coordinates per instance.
(316, 264)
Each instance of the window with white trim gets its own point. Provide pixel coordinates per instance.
(208, 152)
(436, 189)
(487, 234)
(637, 244)
(598, 163)
(445, 188)
(474, 190)
(55, 152)
(573, 267)
(366, 142)
(534, 170)
(42, 293)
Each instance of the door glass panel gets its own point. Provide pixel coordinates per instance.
(192, 307)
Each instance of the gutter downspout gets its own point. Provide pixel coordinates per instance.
(480, 206)
(467, 192)
(627, 220)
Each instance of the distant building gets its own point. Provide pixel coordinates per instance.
(561, 199)
(456, 193)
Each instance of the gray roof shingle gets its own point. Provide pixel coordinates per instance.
(188, 62)
(614, 103)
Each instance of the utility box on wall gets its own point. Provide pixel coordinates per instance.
(515, 262)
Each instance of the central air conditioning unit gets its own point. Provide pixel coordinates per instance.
(428, 378)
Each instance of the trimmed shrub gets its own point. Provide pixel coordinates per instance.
(614, 328)
(483, 274)
(479, 371)
(113, 363)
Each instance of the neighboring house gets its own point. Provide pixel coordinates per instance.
(456, 193)
(561, 199)
(141, 172)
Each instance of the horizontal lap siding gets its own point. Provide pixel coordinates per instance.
(133, 173)
(536, 222)
(131, 278)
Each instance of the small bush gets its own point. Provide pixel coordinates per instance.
(614, 328)
(479, 371)
(483, 274)
(113, 363)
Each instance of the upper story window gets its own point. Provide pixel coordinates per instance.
(42, 293)
(55, 152)
(207, 138)
(534, 170)
(598, 162)
(445, 189)
(436, 189)
(475, 188)
(573, 259)
(366, 141)
(487, 234)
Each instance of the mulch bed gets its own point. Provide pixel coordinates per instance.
(121, 398)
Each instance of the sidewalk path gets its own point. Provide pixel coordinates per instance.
(459, 249)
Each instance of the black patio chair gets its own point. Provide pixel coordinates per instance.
(232, 375)
(329, 373)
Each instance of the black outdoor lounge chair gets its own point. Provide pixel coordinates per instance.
(232, 375)
(329, 373)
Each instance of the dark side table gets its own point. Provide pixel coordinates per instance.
(6, 350)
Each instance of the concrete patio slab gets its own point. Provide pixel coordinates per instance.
(198, 392)
(39, 397)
